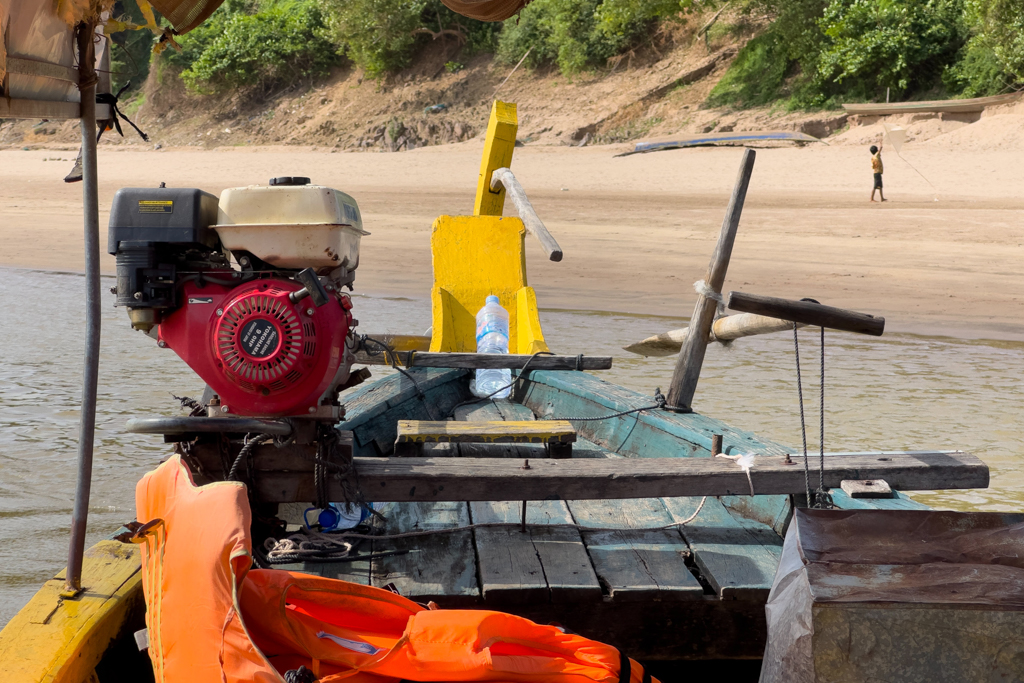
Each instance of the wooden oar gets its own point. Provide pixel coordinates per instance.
(724, 329)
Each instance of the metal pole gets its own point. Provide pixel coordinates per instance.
(90, 202)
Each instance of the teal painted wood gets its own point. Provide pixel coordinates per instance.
(901, 502)
(633, 565)
(372, 410)
(439, 567)
(651, 433)
(734, 560)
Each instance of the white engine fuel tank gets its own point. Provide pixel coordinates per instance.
(291, 224)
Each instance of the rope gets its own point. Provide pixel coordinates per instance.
(250, 444)
(704, 289)
(659, 402)
(518, 525)
(822, 499)
(313, 544)
(390, 355)
(803, 425)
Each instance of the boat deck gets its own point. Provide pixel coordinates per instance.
(692, 591)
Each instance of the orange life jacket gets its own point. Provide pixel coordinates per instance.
(210, 619)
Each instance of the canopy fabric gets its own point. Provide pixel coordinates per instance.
(486, 10)
(185, 15)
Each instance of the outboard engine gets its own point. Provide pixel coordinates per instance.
(247, 290)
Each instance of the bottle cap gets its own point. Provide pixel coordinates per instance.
(492, 299)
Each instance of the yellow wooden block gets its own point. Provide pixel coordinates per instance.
(529, 335)
(474, 256)
(524, 431)
(61, 640)
(498, 147)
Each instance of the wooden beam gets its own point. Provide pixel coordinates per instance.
(691, 356)
(498, 147)
(473, 479)
(510, 431)
(808, 312)
(513, 361)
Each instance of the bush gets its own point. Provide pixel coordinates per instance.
(263, 44)
(903, 45)
(581, 34)
(993, 59)
(380, 35)
(756, 77)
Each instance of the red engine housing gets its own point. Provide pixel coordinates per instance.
(262, 354)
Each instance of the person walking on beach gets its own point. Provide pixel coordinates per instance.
(876, 168)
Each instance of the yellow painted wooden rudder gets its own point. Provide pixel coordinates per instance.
(484, 254)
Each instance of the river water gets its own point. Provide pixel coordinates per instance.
(893, 393)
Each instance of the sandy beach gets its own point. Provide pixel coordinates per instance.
(944, 256)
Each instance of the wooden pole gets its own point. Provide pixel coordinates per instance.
(691, 356)
(808, 313)
(504, 178)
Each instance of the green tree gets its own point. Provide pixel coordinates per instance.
(904, 45)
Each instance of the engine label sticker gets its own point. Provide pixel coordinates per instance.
(200, 299)
(156, 206)
(259, 338)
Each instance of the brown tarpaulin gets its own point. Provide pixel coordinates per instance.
(185, 15)
(897, 595)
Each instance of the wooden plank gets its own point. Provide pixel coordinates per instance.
(53, 638)
(508, 557)
(808, 312)
(524, 431)
(408, 479)
(732, 559)
(499, 144)
(494, 410)
(440, 567)
(633, 565)
(866, 488)
(502, 361)
(691, 356)
(504, 555)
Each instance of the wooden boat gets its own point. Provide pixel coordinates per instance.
(640, 538)
(964, 106)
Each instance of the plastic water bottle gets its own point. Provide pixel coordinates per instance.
(492, 337)
(339, 516)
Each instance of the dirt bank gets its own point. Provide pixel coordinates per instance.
(637, 231)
